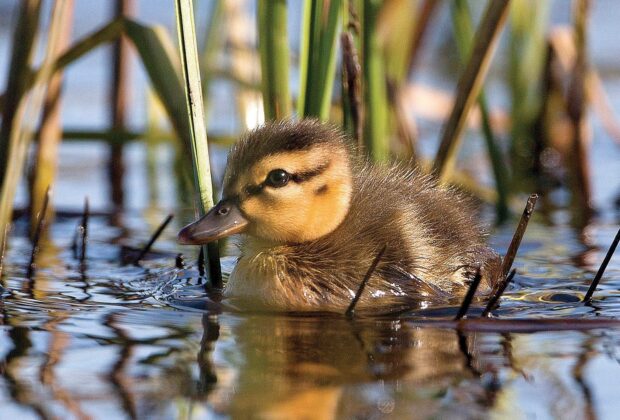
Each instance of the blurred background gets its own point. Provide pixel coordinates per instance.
(533, 86)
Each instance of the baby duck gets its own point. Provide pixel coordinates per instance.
(315, 215)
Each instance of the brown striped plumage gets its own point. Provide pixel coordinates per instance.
(310, 242)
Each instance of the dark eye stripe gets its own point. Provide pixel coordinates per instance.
(300, 177)
(253, 189)
(305, 176)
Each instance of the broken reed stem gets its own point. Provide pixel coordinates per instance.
(601, 270)
(201, 262)
(37, 234)
(469, 297)
(84, 230)
(5, 234)
(351, 309)
(154, 237)
(179, 261)
(470, 84)
(492, 304)
(518, 235)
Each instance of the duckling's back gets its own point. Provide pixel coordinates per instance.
(431, 232)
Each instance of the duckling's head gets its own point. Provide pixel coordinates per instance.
(285, 182)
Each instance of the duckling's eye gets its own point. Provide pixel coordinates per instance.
(277, 178)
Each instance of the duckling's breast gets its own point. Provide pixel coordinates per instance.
(277, 279)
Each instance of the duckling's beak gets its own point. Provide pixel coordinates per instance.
(222, 220)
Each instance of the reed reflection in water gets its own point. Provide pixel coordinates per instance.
(281, 366)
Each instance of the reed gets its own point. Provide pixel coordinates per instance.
(373, 266)
(211, 45)
(579, 163)
(17, 83)
(37, 234)
(118, 105)
(317, 62)
(198, 133)
(84, 232)
(527, 50)
(469, 296)
(352, 105)
(154, 237)
(599, 274)
(470, 84)
(27, 111)
(274, 58)
(45, 164)
(376, 137)
(464, 36)
(500, 289)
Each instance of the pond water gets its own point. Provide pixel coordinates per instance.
(107, 340)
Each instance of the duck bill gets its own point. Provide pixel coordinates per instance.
(223, 220)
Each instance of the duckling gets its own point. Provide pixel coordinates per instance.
(315, 214)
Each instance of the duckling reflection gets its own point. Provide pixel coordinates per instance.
(316, 214)
(326, 367)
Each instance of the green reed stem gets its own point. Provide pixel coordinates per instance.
(17, 82)
(318, 62)
(375, 89)
(198, 132)
(274, 58)
(527, 50)
(463, 31)
(211, 45)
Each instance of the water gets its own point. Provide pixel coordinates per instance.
(107, 340)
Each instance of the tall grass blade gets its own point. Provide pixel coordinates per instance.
(211, 45)
(161, 64)
(580, 172)
(27, 112)
(109, 32)
(527, 55)
(50, 131)
(425, 16)
(274, 58)
(397, 26)
(198, 132)
(118, 106)
(21, 57)
(306, 45)
(470, 84)
(375, 89)
(318, 59)
(463, 31)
